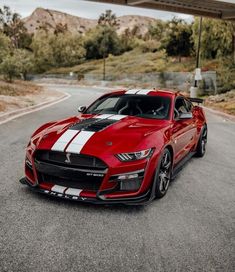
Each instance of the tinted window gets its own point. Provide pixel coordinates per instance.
(189, 105)
(136, 105)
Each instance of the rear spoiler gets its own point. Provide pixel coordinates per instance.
(196, 100)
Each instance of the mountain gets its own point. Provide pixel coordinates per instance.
(51, 18)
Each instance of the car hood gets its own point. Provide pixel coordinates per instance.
(93, 135)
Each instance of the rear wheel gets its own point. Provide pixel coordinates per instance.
(201, 146)
(163, 174)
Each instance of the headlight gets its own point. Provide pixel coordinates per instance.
(133, 156)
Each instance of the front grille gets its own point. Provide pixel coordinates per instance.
(84, 172)
(76, 160)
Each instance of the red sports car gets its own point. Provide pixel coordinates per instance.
(126, 147)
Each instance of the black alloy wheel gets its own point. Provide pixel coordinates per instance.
(163, 174)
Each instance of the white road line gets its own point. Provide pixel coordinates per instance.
(62, 142)
(79, 141)
(32, 109)
(58, 189)
(73, 192)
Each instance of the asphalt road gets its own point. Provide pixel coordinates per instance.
(191, 229)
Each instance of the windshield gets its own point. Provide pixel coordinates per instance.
(135, 105)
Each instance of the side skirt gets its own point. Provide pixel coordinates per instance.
(179, 166)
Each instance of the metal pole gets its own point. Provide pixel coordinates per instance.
(198, 47)
(103, 67)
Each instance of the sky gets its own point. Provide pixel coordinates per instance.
(85, 9)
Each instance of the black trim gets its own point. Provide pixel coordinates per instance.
(195, 100)
(181, 164)
(139, 200)
(93, 124)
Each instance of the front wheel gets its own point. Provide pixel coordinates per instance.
(163, 174)
(201, 146)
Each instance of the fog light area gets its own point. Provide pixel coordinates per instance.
(129, 181)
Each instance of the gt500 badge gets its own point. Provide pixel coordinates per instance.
(94, 174)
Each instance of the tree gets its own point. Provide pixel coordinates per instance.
(216, 38)
(12, 26)
(18, 62)
(177, 40)
(100, 42)
(9, 67)
(24, 60)
(157, 30)
(67, 49)
(62, 49)
(5, 46)
(108, 19)
(42, 51)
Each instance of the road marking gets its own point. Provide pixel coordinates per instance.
(32, 109)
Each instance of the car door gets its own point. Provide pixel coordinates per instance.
(183, 130)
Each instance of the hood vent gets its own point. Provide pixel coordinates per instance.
(83, 124)
(93, 124)
(102, 124)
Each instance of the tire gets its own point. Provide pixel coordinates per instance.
(163, 174)
(201, 145)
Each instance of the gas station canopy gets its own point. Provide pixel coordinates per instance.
(220, 9)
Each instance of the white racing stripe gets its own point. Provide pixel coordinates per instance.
(132, 91)
(144, 91)
(58, 189)
(103, 116)
(73, 192)
(64, 139)
(79, 141)
(117, 117)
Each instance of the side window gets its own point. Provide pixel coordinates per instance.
(189, 105)
(109, 103)
(180, 106)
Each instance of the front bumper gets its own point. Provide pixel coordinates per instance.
(99, 199)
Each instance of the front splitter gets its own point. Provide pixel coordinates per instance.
(139, 200)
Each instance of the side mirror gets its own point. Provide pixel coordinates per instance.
(81, 109)
(187, 115)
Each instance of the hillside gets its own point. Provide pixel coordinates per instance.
(51, 18)
(132, 62)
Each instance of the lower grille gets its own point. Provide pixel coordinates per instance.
(90, 185)
(85, 172)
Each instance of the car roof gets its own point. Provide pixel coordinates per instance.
(149, 92)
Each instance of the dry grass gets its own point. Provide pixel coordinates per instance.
(18, 94)
(18, 88)
(223, 102)
(133, 62)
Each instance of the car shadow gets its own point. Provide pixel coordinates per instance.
(50, 200)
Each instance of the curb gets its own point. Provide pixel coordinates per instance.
(6, 117)
(221, 114)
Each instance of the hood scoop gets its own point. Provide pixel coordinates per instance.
(93, 124)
